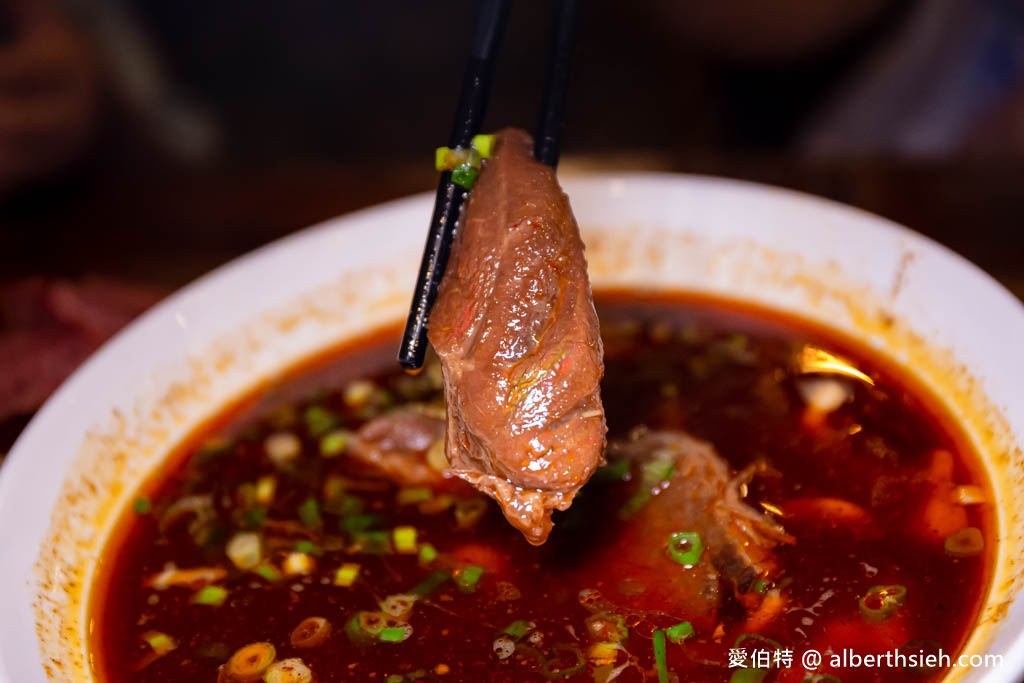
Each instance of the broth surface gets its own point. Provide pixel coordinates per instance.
(863, 489)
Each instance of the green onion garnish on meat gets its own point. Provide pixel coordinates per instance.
(465, 176)
(653, 474)
(484, 144)
(142, 506)
(685, 548)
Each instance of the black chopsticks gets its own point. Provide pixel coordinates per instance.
(476, 87)
(547, 141)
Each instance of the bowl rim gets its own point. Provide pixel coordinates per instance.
(65, 398)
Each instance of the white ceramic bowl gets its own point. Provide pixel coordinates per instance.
(79, 461)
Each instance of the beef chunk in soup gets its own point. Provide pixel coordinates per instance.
(398, 445)
(696, 492)
(517, 334)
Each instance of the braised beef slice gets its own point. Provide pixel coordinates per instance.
(703, 495)
(515, 328)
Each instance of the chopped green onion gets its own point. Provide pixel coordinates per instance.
(448, 159)
(431, 583)
(685, 548)
(291, 670)
(253, 517)
(160, 642)
(399, 606)
(484, 144)
(748, 675)
(351, 506)
(245, 550)
(679, 632)
(503, 647)
(413, 496)
(358, 393)
(366, 628)
(394, 678)
(760, 586)
(250, 662)
(653, 474)
(441, 158)
(308, 547)
(269, 572)
(142, 506)
(881, 602)
(311, 632)
(393, 634)
(428, 553)
(465, 176)
(346, 574)
(605, 626)
(371, 542)
(769, 644)
(319, 420)
(335, 443)
(309, 513)
(613, 471)
(467, 577)
(468, 511)
(660, 660)
(210, 595)
(604, 653)
(356, 523)
(967, 542)
(404, 538)
(556, 669)
(518, 629)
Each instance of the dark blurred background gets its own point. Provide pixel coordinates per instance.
(145, 141)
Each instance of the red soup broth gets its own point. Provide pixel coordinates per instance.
(887, 506)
